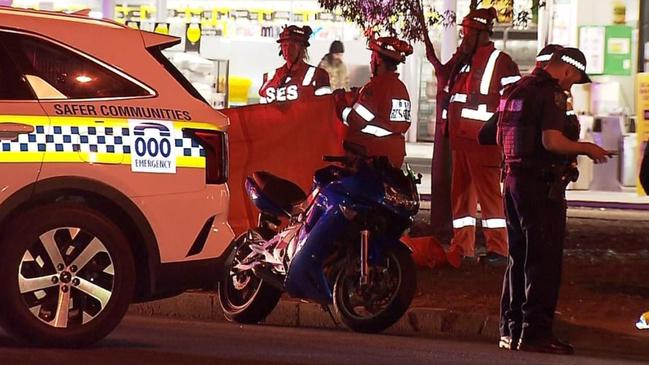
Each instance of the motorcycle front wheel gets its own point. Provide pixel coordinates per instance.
(373, 307)
(244, 297)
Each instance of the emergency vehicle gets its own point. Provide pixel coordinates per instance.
(112, 176)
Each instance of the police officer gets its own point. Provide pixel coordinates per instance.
(379, 115)
(295, 78)
(532, 129)
(573, 128)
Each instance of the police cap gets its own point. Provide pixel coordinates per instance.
(575, 58)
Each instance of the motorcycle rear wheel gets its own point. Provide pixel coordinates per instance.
(377, 306)
(244, 297)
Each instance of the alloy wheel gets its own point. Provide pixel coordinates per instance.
(66, 277)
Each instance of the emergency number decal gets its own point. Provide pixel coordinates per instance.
(152, 146)
(400, 110)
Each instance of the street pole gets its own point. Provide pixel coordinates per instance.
(449, 35)
(108, 9)
(161, 11)
(542, 28)
(643, 54)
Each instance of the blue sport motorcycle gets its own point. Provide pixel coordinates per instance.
(340, 244)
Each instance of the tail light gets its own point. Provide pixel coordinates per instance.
(215, 144)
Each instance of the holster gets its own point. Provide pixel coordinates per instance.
(559, 176)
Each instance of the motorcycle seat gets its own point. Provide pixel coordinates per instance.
(281, 192)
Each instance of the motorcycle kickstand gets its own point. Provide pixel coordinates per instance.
(325, 307)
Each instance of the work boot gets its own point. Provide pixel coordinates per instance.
(508, 343)
(550, 345)
(495, 259)
(455, 257)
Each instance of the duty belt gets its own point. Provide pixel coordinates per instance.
(542, 173)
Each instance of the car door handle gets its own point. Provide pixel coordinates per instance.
(10, 131)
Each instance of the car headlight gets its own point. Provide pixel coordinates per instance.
(399, 199)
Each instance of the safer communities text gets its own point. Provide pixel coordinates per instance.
(121, 111)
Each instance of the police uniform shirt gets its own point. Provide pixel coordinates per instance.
(286, 85)
(535, 104)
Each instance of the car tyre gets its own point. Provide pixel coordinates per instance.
(89, 264)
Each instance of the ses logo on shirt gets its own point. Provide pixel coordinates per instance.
(400, 110)
(281, 93)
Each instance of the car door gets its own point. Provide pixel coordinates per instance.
(23, 128)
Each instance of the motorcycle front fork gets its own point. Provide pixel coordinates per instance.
(365, 237)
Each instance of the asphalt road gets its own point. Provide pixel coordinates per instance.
(141, 340)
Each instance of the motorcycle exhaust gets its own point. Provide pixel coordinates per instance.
(264, 272)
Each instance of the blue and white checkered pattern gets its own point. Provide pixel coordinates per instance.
(188, 147)
(87, 139)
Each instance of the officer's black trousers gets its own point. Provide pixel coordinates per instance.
(536, 229)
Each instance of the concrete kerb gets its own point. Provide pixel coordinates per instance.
(592, 213)
(417, 322)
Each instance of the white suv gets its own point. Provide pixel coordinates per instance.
(112, 176)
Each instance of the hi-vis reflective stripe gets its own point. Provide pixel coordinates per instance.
(323, 91)
(509, 80)
(345, 115)
(363, 112)
(488, 72)
(464, 222)
(570, 112)
(571, 61)
(460, 98)
(481, 114)
(494, 223)
(376, 131)
(308, 77)
(83, 140)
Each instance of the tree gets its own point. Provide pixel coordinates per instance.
(392, 17)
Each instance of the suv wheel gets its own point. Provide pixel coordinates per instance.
(67, 275)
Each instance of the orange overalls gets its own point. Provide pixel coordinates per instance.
(474, 98)
(379, 118)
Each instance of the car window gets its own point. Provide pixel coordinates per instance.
(156, 52)
(55, 72)
(12, 85)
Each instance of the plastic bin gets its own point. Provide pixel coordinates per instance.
(607, 133)
(238, 90)
(629, 159)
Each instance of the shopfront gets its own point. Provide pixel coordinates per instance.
(228, 45)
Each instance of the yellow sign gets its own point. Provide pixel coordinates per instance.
(193, 33)
(505, 9)
(642, 113)
(162, 28)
